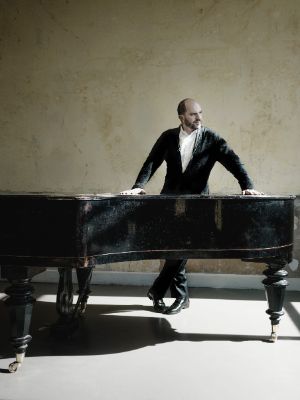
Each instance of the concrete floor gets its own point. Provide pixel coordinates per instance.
(216, 349)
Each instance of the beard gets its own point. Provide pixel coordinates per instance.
(192, 125)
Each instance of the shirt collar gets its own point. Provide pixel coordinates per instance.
(185, 134)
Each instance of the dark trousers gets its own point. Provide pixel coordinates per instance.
(172, 276)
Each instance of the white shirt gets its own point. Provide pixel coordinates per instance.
(186, 145)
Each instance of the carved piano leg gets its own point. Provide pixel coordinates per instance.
(84, 276)
(275, 284)
(64, 298)
(66, 323)
(20, 303)
(68, 312)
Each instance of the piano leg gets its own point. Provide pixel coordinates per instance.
(69, 312)
(84, 276)
(20, 304)
(275, 284)
(64, 297)
(66, 323)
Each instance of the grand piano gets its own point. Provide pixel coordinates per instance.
(39, 231)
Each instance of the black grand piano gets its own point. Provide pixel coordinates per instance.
(39, 231)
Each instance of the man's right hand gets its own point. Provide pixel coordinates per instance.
(134, 191)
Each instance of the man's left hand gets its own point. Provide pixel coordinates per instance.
(252, 192)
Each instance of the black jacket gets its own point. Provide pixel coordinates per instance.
(208, 149)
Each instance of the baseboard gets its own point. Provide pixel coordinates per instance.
(224, 281)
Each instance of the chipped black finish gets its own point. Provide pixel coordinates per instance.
(80, 231)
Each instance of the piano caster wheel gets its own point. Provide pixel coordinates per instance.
(273, 338)
(274, 335)
(14, 366)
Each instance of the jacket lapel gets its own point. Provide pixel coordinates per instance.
(198, 141)
(177, 153)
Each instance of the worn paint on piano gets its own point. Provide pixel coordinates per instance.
(180, 206)
(131, 228)
(218, 214)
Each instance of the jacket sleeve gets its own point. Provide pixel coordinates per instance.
(153, 161)
(227, 157)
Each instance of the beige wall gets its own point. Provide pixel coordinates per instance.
(86, 86)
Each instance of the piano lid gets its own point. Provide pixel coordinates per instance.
(96, 196)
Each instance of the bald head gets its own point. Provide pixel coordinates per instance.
(190, 114)
(181, 109)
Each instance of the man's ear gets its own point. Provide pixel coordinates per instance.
(181, 118)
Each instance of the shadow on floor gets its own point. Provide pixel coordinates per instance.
(104, 331)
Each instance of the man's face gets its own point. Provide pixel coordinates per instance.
(192, 118)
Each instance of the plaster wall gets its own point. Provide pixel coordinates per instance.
(87, 87)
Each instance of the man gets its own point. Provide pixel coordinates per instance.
(190, 152)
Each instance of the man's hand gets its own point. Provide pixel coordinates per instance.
(134, 191)
(252, 192)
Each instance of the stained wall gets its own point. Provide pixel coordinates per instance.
(87, 87)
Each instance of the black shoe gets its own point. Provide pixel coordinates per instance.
(177, 306)
(158, 304)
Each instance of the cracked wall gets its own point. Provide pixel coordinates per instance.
(87, 87)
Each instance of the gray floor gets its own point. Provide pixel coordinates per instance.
(216, 349)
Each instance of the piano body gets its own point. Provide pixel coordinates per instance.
(39, 231)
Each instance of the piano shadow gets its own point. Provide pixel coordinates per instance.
(106, 329)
